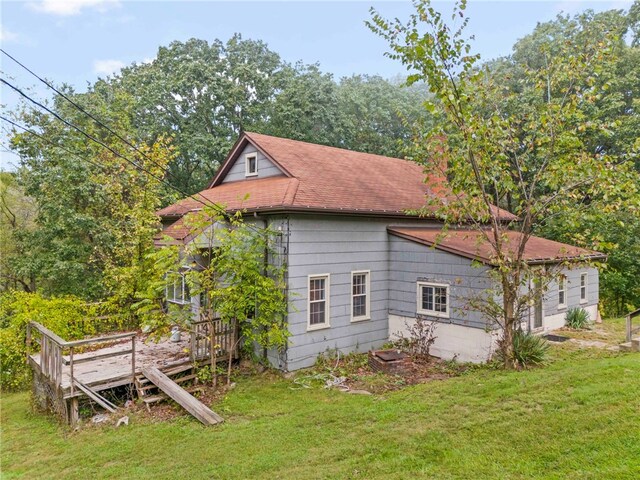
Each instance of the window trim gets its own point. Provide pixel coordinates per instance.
(583, 288)
(186, 299)
(362, 318)
(247, 157)
(562, 280)
(419, 309)
(327, 300)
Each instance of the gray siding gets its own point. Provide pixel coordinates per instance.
(337, 246)
(265, 167)
(411, 262)
(550, 304)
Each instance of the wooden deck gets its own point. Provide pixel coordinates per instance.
(102, 370)
(66, 370)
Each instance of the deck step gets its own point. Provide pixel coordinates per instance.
(170, 371)
(182, 397)
(162, 396)
(151, 386)
(632, 346)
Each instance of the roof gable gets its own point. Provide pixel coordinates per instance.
(235, 155)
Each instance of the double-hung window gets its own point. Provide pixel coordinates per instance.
(176, 290)
(583, 288)
(562, 291)
(433, 299)
(360, 302)
(251, 164)
(318, 302)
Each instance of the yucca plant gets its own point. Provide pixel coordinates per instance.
(577, 318)
(528, 349)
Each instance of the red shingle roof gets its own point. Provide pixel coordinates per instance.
(472, 244)
(320, 178)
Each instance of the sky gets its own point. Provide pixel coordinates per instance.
(77, 41)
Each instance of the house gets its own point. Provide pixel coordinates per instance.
(359, 267)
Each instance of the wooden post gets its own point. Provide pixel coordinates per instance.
(133, 359)
(629, 328)
(73, 411)
(214, 352)
(28, 342)
(71, 367)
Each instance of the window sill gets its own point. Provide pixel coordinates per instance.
(360, 319)
(251, 174)
(432, 314)
(583, 302)
(315, 328)
(562, 307)
(176, 302)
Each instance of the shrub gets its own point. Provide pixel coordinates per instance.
(529, 349)
(421, 335)
(67, 316)
(577, 318)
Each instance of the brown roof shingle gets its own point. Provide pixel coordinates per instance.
(321, 178)
(473, 244)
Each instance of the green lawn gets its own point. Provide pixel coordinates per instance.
(577, 418)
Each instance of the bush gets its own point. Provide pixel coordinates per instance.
(529, 349)
(421, 335)
(67, 316)
(577, 318)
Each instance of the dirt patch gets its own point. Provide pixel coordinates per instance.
(352, 373)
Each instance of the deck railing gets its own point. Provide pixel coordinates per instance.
(631, 331)
(53, 348)
(224, 340)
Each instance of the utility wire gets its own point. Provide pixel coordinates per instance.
(101, 124)
(135, 165)
(93, 139)
(42, 137)
(80, 108)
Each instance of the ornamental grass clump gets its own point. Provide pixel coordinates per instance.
(577, 318)
(528, 349)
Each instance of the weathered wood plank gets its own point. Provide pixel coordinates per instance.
(108, 338)
(96, 397)
(100, 356)
(182, 397)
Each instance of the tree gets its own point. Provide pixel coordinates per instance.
(234, 268)
(17, 214)
(534, 160)
(96, 206)
(617, 109)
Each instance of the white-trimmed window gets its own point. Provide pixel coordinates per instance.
(318, 302)
(251, 164)
(360, 299)
(433, 299)
(176, 290)
(562, 291)
(583, 287)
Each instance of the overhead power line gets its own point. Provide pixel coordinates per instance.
(81, 109)
(206, 202)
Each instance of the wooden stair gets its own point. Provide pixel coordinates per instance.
(182, 397)
(632, 346)
(180, 373)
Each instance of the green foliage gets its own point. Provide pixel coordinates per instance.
(95, 211)
(69, 317)
(232, 265)
(577, 318)
(535, 140)
(17, 214)
(528, 349)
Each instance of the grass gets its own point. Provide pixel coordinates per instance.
(578, 418)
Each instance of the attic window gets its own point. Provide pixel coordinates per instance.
(251, 164)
